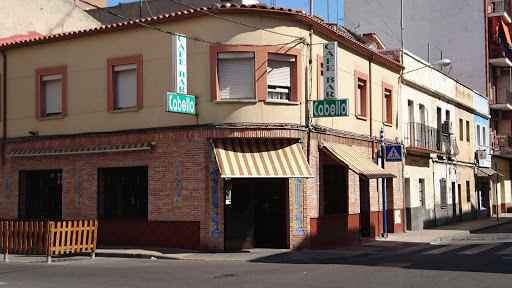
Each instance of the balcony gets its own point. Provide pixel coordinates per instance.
(500, 54)
(421, 138)
(503, 99)
(499, 8)
(503, 145)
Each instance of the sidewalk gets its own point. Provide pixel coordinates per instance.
(395, 243)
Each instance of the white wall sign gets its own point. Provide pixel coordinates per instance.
(179, 51)
(330, 70)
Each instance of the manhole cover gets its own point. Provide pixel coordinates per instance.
(224, 275)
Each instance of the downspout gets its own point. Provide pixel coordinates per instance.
(309, 87)
(4, 106)
(370, 100)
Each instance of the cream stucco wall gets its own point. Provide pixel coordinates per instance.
(87, 79)
(349, 61)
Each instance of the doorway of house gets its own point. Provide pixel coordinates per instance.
(40, 194)
(364, 215)
(255, 214)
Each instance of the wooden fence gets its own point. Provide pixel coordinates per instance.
(48, 237)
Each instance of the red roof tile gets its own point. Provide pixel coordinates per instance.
(214, 9)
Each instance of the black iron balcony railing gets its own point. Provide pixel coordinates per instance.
(500, 50)
(499, 6)
(503, 142)
(503, 96)
(421, 136)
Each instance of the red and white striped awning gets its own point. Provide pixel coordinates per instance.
(82, 150)
(261, 159)
(356, 161)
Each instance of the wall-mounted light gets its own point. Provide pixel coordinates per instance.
(33, 133)
(440, 63)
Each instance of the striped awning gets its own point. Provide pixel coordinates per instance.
(82, 150)
(261, 159)
(356, 161)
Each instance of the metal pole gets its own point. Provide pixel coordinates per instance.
(383, 156)
(402, 31)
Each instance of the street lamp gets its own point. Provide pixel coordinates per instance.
(440, 63)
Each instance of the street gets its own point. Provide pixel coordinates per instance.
(479, 260)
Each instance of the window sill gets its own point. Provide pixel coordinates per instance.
(134, 109)
(361, 118)
(235, 101)
(270, 101)
(52, 117)
(388, 124)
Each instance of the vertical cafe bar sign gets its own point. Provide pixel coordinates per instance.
(330, 70)
(179, 52)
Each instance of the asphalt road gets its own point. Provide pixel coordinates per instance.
(480, 260)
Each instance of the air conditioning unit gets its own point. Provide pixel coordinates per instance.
(496, 115)
(447, 127)
(497, 71)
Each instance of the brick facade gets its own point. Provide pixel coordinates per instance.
(191, 148)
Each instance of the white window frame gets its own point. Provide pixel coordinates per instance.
(282, 91)
(57, 98)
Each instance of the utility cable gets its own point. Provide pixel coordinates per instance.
(298, 41)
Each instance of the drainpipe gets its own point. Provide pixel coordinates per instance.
(308, 87)
(370, 100)
(4, 106)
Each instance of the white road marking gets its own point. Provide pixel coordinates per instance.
(506, 251)
(479, 249)
(443, 249)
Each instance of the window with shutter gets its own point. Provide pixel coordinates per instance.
(279, 70)
(236, 75)
(51, 95)
(126, 86)
(124, 83)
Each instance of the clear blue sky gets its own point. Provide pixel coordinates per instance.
(320, 7)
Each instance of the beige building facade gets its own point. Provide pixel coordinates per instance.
(252, 167)
(440, 164)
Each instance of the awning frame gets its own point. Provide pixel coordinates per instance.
(82, 150)
(260, 158)
(326, 149)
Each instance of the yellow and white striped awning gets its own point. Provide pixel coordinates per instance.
(261, 159)
(356, 161)
(82, 150)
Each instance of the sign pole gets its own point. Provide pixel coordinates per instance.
(383, 156)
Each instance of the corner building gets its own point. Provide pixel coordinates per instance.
(89, 137)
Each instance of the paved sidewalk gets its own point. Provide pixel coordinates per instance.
(395, 243)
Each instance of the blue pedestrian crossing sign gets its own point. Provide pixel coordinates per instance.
(393, 153)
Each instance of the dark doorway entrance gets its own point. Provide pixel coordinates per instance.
(40, 194)
(255, 214)
(364, 216)
(123, 193)
(454, 203)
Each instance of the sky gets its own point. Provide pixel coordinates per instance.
(319, 7)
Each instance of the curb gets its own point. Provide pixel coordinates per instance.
(348, 256)
(136, 256)
(489, 227)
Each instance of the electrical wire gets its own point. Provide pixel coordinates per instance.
(297, 41)
(233, 21)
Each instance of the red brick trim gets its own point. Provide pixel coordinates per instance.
(319, 63)
(387, 119)
(260, 67)
(365, 108)
(111, 84)
(40, 95)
